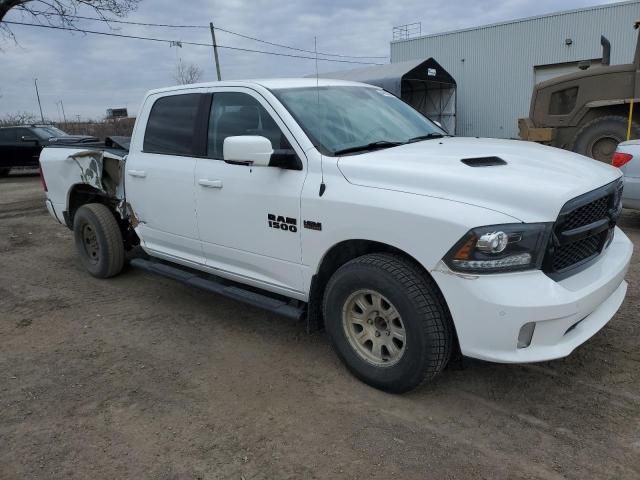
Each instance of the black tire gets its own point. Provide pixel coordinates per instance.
(599, 138)
(429, 331)
(4, 172)
(98, 240)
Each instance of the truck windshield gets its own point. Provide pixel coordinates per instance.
(345, 119)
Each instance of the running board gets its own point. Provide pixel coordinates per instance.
(229, 289)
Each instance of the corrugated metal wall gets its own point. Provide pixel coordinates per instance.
(494, 65)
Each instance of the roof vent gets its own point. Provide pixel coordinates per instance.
(483, 161)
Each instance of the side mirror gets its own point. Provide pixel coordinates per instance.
(286, 158)
(27, 138)
(253, 149)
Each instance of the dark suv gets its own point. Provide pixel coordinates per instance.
(20, 146)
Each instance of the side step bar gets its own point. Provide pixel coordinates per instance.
(292, 309)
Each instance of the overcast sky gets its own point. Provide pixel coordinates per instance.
(92, 73)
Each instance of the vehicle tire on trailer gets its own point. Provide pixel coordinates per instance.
(388, 322)
(99, 240)
(4, 172)
(599, 138)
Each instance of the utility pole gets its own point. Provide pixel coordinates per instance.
(35, 80)
(215, 49)
(63, 115)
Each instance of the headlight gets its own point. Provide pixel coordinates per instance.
(500, 248)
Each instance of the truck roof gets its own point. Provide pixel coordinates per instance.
(270, 83)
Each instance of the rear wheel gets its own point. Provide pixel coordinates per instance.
(599, 138)
(98, 240)
(4, 172)
(388, 322)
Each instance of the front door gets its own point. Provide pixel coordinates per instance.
(249, 217)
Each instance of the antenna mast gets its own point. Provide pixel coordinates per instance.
(315, 49)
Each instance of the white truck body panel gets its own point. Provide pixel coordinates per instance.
(536, 182)
(418, 198)
(74, 166)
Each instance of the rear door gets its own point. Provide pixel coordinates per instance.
(249, 217)
(27, 148)
(160, 177)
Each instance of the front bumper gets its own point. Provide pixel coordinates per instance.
(489, 310)
(527, 131)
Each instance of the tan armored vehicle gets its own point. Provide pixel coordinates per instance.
(588, 112)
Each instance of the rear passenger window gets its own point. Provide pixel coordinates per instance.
(170, 128)
(7, 135)
(235, 114)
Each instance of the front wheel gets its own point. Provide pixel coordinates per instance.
(98, 240)
(388, 322)
(4, 172)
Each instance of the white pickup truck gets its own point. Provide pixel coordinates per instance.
(337, 203)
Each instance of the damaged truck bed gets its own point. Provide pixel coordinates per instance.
(95, 170)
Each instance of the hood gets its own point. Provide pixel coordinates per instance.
(593, 71)
(73, 139)
(532, 184)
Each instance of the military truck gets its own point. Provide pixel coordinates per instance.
(588, 112)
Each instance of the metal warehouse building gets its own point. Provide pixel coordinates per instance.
(496, 66)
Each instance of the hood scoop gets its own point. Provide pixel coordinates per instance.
(483, 161)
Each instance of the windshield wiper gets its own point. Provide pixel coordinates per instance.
(369, 146)
(428, 136)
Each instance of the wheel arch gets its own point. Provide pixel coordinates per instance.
(80, 194)
(604, 109)
(339, 254)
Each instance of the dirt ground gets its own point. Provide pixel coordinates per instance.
(141, 377)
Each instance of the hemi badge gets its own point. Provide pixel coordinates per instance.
(312, 225)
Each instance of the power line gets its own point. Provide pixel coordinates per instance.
(167, 25)
(162, 40)
(295, 48)
(109, 20)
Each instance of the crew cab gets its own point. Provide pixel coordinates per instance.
(337, 203)
(20, 146)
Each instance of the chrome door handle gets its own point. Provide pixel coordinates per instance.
(137, 173)
(210, 183)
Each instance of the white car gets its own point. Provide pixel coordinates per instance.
(627, 159)
(338, 203)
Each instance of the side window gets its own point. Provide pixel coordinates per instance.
(23, 132)
(233, 114)
(563, 102)
(170, 128)
(7, 135)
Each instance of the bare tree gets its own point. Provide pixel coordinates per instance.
(18, 118)
(62, 12)
(187, 73)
